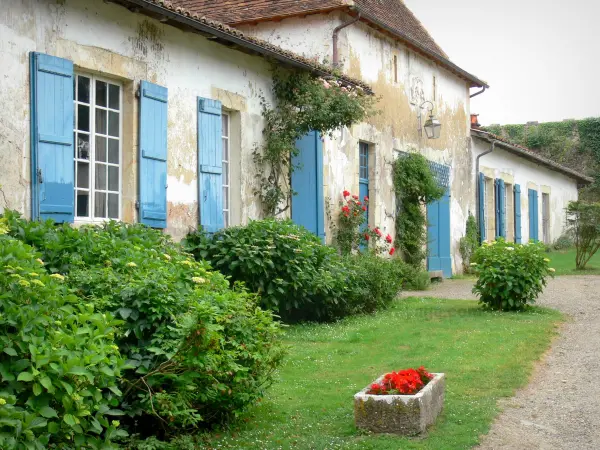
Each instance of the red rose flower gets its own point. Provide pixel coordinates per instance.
(388, 239)
(346, 209)
(392, 251)
(355, 197)
(364, 208)
(378, 231)
(346, 194)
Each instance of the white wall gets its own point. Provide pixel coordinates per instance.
(368, 55)
(529, 175)
(110, 40)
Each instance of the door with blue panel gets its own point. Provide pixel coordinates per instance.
(363, 176)
(438, 225)
(307, 184)
(517, 204)
(533, 215)
(500, 202)
(52, 153)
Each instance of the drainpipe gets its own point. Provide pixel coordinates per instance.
(336, 31)
(487, 152)
(477, 93)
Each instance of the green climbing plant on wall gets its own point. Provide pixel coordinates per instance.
(414, 186)
(303, 103)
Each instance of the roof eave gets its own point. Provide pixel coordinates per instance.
(488, 137)
(237, 38)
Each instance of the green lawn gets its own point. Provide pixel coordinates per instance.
(486, 355)
(564, 263)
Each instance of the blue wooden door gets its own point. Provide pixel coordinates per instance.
(363, 176)
(307, 184)
(438, 236)
(533, 215)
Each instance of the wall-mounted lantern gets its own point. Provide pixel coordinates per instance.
(432, 126)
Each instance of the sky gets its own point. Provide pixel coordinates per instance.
(541, 58)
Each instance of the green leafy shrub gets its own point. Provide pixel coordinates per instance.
(295, 275)
(564, 242)
(198, 352)
(59, 365)
(375, 282)
(416, 279)
(469, 243)
(510, 276)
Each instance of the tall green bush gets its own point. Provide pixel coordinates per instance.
(59, 365)
(469, 243)
(583, 220)
(510, 276)
(198, 352)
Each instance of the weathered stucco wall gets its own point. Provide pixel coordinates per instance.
(529, 175)
(106, 39)
(402, 86)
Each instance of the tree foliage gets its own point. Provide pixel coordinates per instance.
(583, 219)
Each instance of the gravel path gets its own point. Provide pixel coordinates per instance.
(560, 408)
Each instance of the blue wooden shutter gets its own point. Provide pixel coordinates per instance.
(210, 160)
(153, 155)
(497, 207)
(52, 168)
(533, 215)
(501, 208)
(517, 204)
(481, 207)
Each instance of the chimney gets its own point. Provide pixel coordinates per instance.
(474, 122)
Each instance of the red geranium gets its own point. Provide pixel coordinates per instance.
(388, 239)
(355, 197)
(406, 382)
(346, 193)
(366, 198)
(367, 237)
(378, 231)
(364, 208)
(392, 251)
(346, 209)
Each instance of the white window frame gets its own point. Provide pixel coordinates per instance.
(226, 188)
(92, 148)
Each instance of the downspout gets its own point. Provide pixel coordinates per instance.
(477, 93)
(487, 152)
(336, 31)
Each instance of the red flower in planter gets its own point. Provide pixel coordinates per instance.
(392, 251)
(388, 239)
(346, 193)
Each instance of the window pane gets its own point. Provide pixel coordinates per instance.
(100, 176)
(113, 96)
(113, 123)
(101, 93)
(225, 198)
(100, 148)
(101, 121)
(113, 206)
(225, 170)
(113, 178)
(83, 118)
(100, 205)
(225, 150)
(83, 89)
(83, 203)
(83, 146)
(83, 175)
(225, 124)
(113, 151)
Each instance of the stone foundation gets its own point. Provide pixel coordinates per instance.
(400, 414)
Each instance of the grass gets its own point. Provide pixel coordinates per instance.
(486, 356)
(564, 263)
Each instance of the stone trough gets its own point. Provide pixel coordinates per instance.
(407, 415)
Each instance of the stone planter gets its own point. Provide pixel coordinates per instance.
(408, 415)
